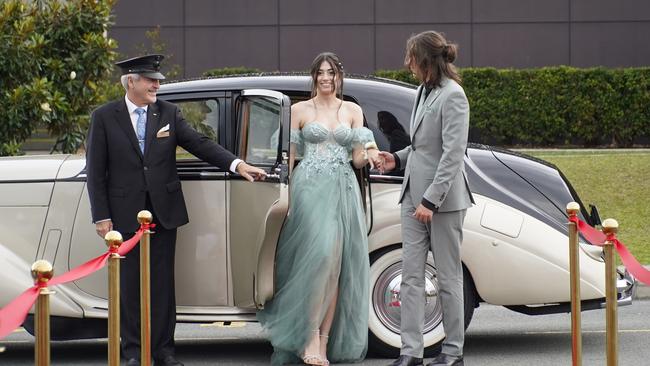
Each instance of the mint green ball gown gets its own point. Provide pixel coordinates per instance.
(323, 248)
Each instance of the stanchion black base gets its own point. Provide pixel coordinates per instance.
(65, 328)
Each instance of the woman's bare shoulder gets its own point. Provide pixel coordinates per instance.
(303, 106)
(354, 111)
(352, 107)
(302, 111)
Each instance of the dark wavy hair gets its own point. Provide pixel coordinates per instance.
(432, 55)
(339, 74)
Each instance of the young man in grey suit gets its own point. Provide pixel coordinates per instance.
(435, 197)
(131, 166)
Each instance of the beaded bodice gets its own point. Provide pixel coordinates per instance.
(325, 150)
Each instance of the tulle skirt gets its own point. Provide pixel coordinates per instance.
(323, 248)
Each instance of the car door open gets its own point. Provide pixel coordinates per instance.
(257, 210)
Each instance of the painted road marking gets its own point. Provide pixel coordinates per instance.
(591, 331)
(193, 339)
(225, 324)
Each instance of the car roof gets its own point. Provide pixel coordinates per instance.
(274, 81)
(299, 81)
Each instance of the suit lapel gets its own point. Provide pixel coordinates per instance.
(433, 95)
(124, 121)
(416, 104)
(153, 118)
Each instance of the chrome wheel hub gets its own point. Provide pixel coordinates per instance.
(387, 303)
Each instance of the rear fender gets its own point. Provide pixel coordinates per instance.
(15, 278)
(516, 259)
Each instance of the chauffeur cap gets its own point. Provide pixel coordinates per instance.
(147, 66)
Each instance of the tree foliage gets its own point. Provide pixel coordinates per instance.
(55, 63)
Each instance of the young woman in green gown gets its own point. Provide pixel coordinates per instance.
(320, 309)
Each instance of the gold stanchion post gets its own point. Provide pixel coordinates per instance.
(145, 217)
(574, 271)
(42, 272)
(610, 226)
(113, 241)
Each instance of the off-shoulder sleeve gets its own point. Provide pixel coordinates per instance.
(362, 136)
(297, 141)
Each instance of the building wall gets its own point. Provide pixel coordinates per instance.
(285, 35)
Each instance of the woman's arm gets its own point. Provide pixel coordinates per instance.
(361, 155)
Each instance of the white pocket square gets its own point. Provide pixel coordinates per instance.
(163, 132)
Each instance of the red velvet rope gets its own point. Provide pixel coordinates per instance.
(14, 313)
(596, 237)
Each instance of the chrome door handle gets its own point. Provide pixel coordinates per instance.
(212, 174)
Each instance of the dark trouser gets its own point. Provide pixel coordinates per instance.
(163, 296)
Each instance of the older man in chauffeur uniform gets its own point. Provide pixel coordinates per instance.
(131, 166)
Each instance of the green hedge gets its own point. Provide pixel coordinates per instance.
(555, 106)
(231, 71)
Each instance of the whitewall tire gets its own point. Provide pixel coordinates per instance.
(384, 312)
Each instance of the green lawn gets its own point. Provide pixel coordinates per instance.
(618, 182)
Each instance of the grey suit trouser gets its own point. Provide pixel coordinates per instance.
(443, 236)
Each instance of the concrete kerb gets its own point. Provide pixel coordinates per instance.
(642, 290)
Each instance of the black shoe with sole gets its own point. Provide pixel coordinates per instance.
(405, 360)
(444, 359)
(167, 361)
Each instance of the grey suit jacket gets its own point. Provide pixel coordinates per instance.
(435, 169)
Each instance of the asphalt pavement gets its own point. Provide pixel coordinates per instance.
(495, 337)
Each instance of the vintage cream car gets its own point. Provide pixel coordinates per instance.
(515, 249)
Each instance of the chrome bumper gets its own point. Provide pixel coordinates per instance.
(626, 288)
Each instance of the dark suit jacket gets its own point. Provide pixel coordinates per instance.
(119, 177)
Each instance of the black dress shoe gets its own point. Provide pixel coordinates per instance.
(133, 362)
(405, 360)
(444, 359)
(167, 361)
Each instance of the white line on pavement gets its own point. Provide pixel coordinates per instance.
(591, 331)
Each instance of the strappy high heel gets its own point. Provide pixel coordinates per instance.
(311, 359)
(325, 361)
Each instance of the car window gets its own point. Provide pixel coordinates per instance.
(262, 134)
(388, 117)
(388, 114)
(203, 115)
